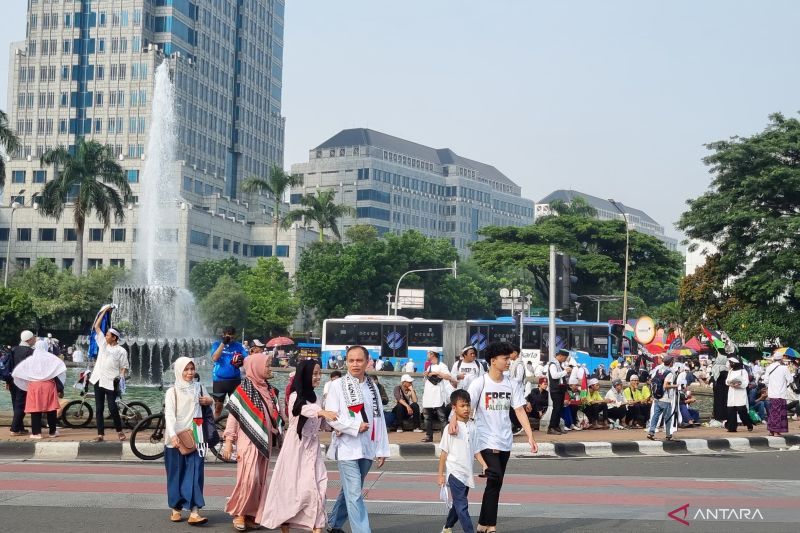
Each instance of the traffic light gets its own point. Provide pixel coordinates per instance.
(517, 321)
(565, 280)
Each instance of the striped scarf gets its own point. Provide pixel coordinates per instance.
(246, 405)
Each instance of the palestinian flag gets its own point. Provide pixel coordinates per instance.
(197, 433)
(246, 405)
(584, 386)
(714, 338)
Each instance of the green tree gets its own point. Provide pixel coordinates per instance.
(751, 213)
(9, 143)
(91, 180)
(598, 245)
(577, 207)
(272, 305)
(322, 209)
(226, 304)
(204, 275)
(276, 185)
(15, 314)
(362, 233)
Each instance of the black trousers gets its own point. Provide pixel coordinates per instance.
(18, 397)
(496, 461)
(595, 412)
(102, 395)
(740, 410)
(558, 408)
(617, 413)
(430, 412)
(36, 422)
(639, 413)
(400, 415)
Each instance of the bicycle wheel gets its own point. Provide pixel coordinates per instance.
(77, 414)
(220, 422)
(133, 412)
(147, 438)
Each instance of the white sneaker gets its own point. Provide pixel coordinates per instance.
(575, 428)
(418, 430)
(399, 430)
(447, 530)
(565, 428)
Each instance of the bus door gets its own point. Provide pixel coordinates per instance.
(394, 341)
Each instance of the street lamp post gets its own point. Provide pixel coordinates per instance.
(14, 207)
(453, 269)
(627, 251)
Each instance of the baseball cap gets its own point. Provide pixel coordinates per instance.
(256, 342)
(406, 378)
(466, 348)
(542, 380)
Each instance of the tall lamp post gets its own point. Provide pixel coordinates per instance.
(14, 207)
(627, 251)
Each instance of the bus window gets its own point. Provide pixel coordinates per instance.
(599, 344)
(562, 339)
(502, 333)
(368, 334)
(344, 334)
(394, 341)
(531, 337)
(425, 335)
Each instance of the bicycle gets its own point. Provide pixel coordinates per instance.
(79, 413)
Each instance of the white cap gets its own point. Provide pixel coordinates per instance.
(257, 342)
(593, 381)
(26, 335)
(573, 380)
(49, 335)
(406, 378)
(114, 332)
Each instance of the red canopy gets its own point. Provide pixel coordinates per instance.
(656, 348)
(695, 345)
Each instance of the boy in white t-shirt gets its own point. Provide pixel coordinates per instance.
(457, 452)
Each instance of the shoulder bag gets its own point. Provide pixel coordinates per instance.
(186, 444)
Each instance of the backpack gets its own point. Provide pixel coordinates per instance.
(657, 384)
(5, 366)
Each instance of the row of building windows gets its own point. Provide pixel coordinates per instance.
(23, 263)
(19, 176)
(198, 187)
(203, 239)
(70, 235)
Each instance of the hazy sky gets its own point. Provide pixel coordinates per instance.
(612, 98)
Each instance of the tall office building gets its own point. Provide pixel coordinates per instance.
(86, 69)
(398, 185)
(637, 219)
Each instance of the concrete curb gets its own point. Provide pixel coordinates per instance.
(50, 450)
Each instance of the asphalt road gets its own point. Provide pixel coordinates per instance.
(592, 495)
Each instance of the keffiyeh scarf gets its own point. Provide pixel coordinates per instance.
(246, 405)
(354, 397)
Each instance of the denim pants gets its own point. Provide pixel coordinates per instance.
(350, 502)
(659, 408)
(459, 512)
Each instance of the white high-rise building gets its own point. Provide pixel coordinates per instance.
(398, 185)
(86, 69)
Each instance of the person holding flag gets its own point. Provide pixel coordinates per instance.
(185, 473)
(360, 439)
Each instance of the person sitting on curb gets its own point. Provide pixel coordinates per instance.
(407, 405)
(617, 409)
(596, 406)
(537, 402)
(637, 400)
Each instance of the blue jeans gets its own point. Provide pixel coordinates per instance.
(350, 502)
(659, 408)
(459, 512)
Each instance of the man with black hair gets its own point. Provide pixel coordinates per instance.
(108, 375)
(228, 356)
(557, 383)
(492, 396)
(433, 394)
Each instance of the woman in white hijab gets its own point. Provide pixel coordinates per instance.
(184, 472)
(37, 374)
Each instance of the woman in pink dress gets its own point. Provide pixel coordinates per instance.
(37, 374)
(251, 423)
(300, 481)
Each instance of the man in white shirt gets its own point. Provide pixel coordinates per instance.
(433, 394)
(379, 364)
(409, 367)
(108, 375)
(777, 377)
(466, 369)
(360, 438)
(557, 383)
(664, 405)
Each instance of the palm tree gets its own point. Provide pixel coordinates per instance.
(577, 207)
(276, 184)
(81, 179)
(9, 142)
(322, 209)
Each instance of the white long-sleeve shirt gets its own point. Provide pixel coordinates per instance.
(349, 444)
(778, 378)
(737, 395)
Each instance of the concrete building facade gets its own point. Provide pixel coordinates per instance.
(398, 185)
(86, 70)
(637, 219)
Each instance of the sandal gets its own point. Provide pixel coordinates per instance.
(121, 435)
(195, 519)
(175, 516)
(239, 524)
(99, 438)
